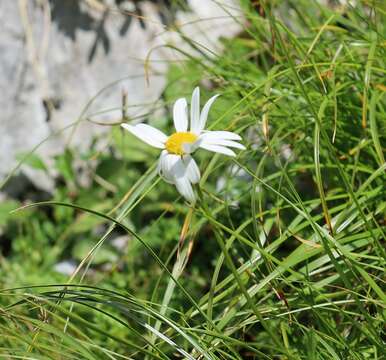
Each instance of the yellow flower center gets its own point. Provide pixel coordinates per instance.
(174, 144)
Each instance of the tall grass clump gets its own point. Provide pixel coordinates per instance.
(283, 255)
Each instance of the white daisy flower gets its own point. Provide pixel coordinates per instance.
(176, 164)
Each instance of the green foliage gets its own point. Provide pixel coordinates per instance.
(285, 247)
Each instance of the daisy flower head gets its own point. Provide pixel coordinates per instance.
(176, 164)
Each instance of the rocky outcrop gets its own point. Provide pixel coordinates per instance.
(62, 61)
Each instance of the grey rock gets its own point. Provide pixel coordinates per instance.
(66, 267)
(64, 62)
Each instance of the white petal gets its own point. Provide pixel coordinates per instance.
(168, 166)
(222, 142)
(180, 116)
(179, 168)
(184, 187)
(205, 112)
(195, 111)
(224, 135)
(218, 149)
(191, 147)
(147, 134)
(162, 168)
(192, 170)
